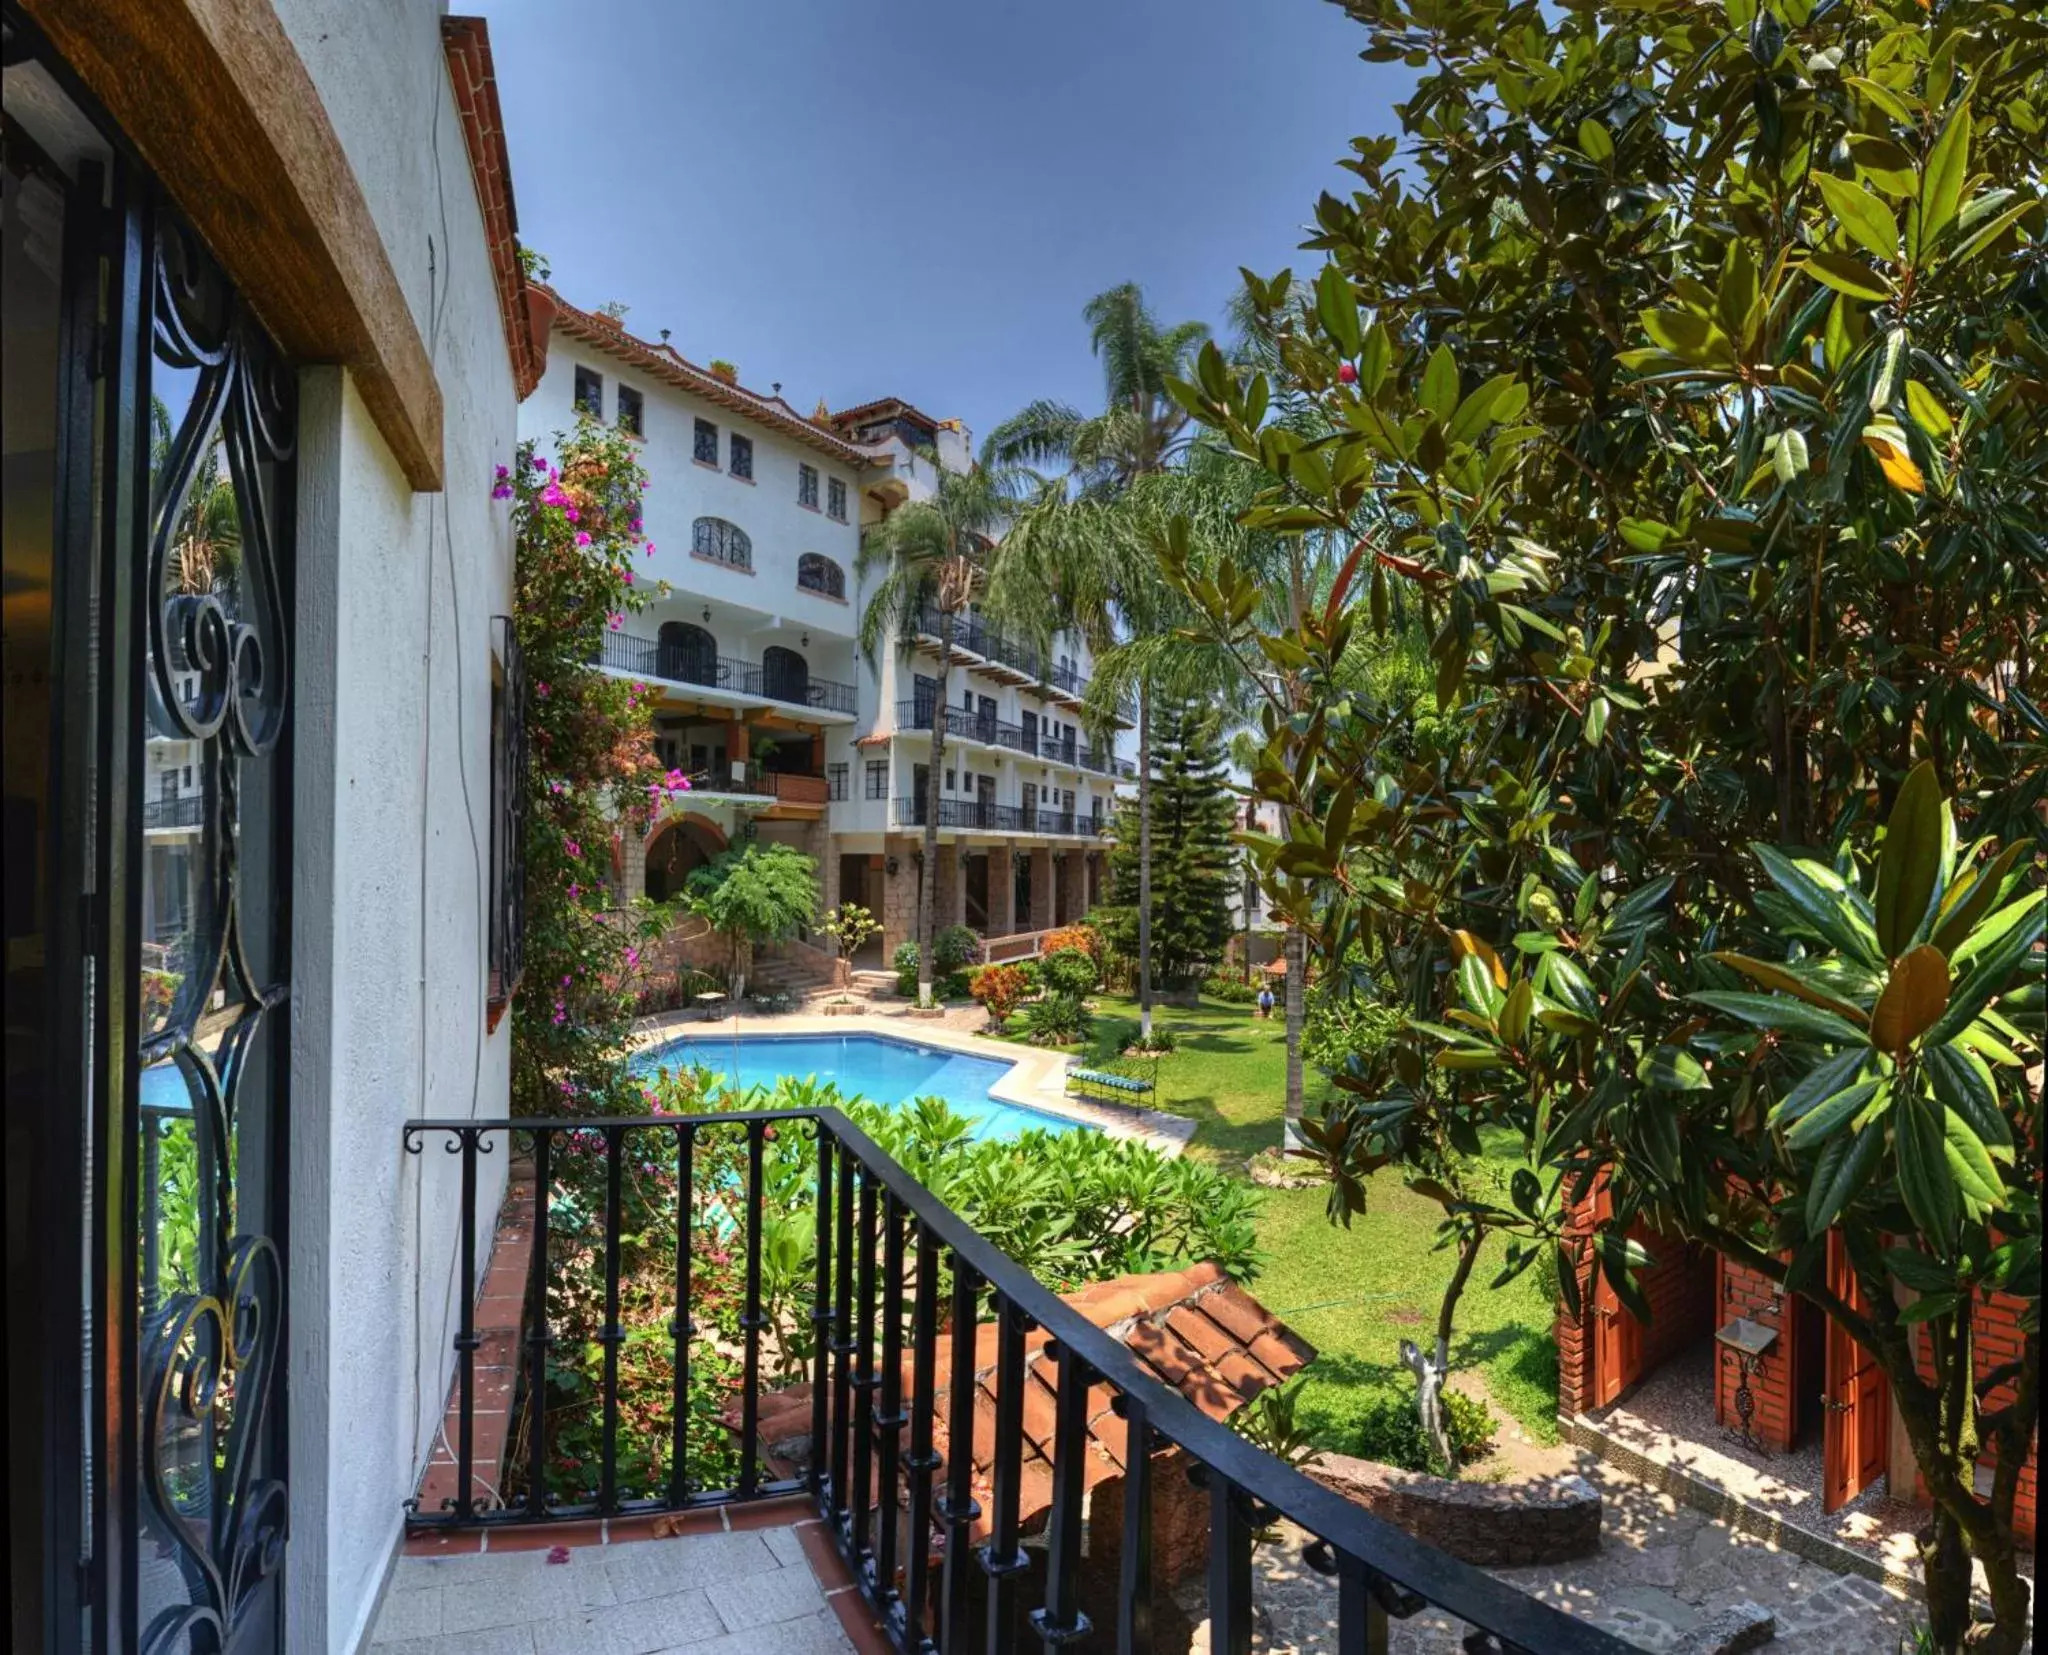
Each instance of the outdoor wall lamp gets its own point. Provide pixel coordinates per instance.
(805, 641)
(707, 614)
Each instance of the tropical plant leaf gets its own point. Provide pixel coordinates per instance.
(1925, 1182)
(1962, 1081)
(1976, 1175)
(1909, 867)
(1776, 1011)
(1821, 1122)
(1847, 274)
(1820, 1083)
(1671, 1070)
(1786, 980)
(1992, 965)
(1969, 898)
(1845, 1166)
(1823, 900)
(1862, 213)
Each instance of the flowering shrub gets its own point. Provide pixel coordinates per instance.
(591, 766)
(1085, 938)
(1000, 989)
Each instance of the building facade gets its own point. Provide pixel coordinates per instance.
(785, 727)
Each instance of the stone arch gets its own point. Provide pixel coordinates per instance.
(678, 847)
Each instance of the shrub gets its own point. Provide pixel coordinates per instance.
(954, 985)
(1389, 1431)
(1069, 971)
(1034, 974)
(1230, 990)
(904, 961)
(1163, 1040)
(1000, 989)
(955, 947)
(1083, 938)
(1057, 1020)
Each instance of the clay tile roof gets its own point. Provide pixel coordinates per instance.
(1195, 1329)
(665, 363)
(466, 42)
(893, 407)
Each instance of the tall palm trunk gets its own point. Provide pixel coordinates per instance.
(927, 886)
(1145, 860)
(1296, 943)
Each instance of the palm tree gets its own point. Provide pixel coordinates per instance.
(1069, 545)
(934, 555)
(206, 546)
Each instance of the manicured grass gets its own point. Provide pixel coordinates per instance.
(1354, 1294)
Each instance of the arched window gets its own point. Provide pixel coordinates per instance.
(786, 676)
(685, 654)
(820, 574)
(722, 542)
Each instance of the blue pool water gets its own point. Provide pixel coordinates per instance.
(875, 1067)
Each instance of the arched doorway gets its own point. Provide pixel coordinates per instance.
(685, 654)
(675, 852)
(786, 675)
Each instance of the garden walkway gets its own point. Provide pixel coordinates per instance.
(1662, 1569)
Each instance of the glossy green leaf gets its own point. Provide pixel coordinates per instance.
(1828, 1117)
(1788, 981)
(1439, 392)
(1909, 867)
(1971, 897)
(1823, 1081)
(1777, 1011)
(1845, 1166)
(1863, 214)
(1595, 141)
(1925, 1182)
(1671, 1070)
(1992, 965)
(1375, 356)
(1337, 310)
(1847, 274)
(1941, 184)
(1962, 1081)
(1823, 901)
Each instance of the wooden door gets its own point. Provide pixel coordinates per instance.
(1617, 1335)
(1855, 1438)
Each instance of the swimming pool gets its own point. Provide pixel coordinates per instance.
(877, 1067)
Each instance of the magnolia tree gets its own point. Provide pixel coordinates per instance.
(1682, 369)
(850, 926)
(591, 770)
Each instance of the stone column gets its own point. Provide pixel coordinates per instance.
(1002, 891)
(819, 846)
(1041, 888)
(949, 900)
(1074, 874)
(899, 898)
(632, 866)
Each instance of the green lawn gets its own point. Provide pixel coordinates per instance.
(1354, 1294)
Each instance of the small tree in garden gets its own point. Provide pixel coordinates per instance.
(591, 766)
(1000, 989)
(1193, 859)
(850, 926)
(1685, 386)
(754, 893)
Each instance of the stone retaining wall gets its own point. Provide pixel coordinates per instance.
(1492, 1524)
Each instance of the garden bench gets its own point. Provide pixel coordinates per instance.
(1116, 1083)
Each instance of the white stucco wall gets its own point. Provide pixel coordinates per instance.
(396, 593)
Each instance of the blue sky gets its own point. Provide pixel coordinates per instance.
(913, 198)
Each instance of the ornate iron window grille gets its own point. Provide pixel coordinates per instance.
(835, 499)
(722, 542)
(807, 486)
(742, 450)
(704, 442)
(815, 573)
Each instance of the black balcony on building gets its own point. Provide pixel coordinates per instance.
(180, 812)
(678, 663)
(975, 816)
(891, 1307)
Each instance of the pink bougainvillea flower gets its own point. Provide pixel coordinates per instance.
(540, 689)
(628, 573)
(650, 548)
(582, 535)
(552, 495)
(540, 462)
(634, 525)
(632, 956)
(503, 491)
(574, 892)
(558, 1554)
(574, 849)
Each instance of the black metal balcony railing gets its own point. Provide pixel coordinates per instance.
(901, 1514)
(990, 731)
(173, 813)
(973, 816)
(679, 664)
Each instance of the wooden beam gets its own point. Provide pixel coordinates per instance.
(216, 99)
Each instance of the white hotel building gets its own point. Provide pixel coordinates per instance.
(756, 512)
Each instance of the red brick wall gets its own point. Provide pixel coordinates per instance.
(1774, 1384)
(1679, 1284)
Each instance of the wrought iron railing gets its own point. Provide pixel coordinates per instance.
(973, 816)
(963, 724)
(897, 1283)
(173, 813)
(681, 664)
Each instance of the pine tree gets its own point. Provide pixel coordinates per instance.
(1192, 856)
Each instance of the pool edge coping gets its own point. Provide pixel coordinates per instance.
(1034, 1079)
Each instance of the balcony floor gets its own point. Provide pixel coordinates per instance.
(773, 1590)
